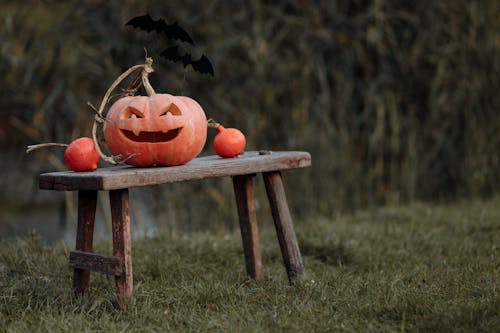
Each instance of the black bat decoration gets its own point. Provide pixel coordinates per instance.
(172, 31)
(201, 65)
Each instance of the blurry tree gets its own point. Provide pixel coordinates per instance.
(396, 100)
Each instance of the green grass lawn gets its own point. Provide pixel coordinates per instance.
(415, 268)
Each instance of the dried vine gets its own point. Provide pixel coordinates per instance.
(146, 70)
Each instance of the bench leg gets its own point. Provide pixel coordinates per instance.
(283, 224)
(243, 191)
(87, 201)
(122, 243)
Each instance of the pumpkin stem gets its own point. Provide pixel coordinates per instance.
(212, 123)
(147, 68)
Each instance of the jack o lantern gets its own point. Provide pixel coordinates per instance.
(160, 129)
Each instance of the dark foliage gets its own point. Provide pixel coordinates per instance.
(395, 100)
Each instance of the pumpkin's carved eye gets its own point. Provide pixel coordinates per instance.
(131, 113)
(173, 109)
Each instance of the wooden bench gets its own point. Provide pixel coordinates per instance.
(117, 180)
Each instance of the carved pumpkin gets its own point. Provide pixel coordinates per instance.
(161, 129)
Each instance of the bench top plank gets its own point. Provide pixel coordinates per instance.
(124, 176)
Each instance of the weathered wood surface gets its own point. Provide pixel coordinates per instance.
(200, 168)
(245, 203)
(95, 262)
(87, 201)
(284, 225)
(122, 242)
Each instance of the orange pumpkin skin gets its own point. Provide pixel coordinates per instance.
(229, 142)
(81, 155)
(161, 129)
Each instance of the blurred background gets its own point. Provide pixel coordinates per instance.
(397, 102)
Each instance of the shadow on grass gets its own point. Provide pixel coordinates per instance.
(328, 254)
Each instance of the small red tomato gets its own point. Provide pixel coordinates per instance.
(229, 142)
(81, 155)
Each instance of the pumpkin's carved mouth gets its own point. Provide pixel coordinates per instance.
(152, 137)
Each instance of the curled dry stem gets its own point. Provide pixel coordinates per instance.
(146, 70)
(31, 148)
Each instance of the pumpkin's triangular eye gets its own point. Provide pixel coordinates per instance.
(131, 112)
(173, 109)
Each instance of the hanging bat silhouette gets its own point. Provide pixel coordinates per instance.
(201, 65)
(172, 31)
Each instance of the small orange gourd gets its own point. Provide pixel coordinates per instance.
(229, 142)
(81, 155)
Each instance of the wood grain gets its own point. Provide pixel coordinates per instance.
(284, 226)
(95, 262)
(245, 203)
(122, 243)
(87, 201)
(200, 168)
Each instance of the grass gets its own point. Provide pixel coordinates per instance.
(429, 268)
